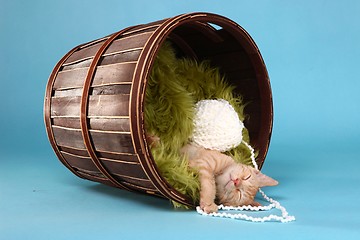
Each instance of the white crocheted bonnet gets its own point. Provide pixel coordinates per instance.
(217, 125)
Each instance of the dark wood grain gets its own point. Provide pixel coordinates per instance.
(99, 105)
(107, 124)
(129, 42)
(117, 73)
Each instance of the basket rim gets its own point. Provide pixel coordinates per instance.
(141, 74)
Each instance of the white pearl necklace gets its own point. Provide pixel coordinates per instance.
(285, 217)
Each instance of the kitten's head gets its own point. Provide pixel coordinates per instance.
(239, 183)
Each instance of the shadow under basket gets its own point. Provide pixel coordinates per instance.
(94, 103)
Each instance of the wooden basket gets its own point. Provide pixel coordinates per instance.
(94, 99)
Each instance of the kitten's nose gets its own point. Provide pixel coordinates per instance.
(236, 182)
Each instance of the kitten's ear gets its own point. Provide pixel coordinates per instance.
(264, 180)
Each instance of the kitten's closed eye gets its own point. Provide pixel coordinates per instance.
(247, 177)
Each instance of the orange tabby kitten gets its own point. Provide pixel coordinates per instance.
(224, 180)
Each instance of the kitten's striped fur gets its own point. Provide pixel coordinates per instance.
(223, 180)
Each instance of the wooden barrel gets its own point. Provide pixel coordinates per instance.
(94, 101)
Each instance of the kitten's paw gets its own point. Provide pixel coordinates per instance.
(255, 204)
(209, 208)
(153, 140)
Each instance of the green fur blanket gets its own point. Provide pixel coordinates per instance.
(174, 87)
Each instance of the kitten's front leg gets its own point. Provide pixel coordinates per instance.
(207, 191)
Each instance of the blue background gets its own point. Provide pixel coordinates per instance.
(311, 49)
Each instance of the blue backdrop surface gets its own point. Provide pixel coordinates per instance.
(311, 49)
